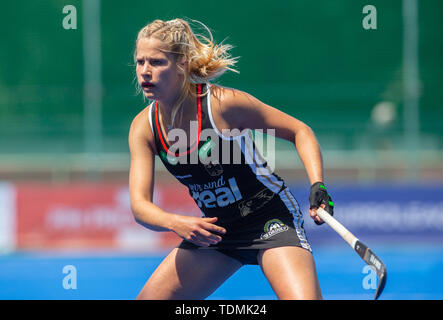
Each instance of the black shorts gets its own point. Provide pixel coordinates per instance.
(278, 224)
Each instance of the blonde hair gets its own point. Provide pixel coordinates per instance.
(205, 60)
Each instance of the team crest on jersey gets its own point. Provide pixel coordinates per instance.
(273, 227)
(214, 169)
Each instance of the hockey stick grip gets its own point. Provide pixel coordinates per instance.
(337, 226)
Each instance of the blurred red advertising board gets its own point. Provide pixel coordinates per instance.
(91, 216)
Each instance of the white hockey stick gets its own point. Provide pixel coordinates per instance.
(363, 251)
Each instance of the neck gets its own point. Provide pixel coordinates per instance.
(168, 104)
(186, 109)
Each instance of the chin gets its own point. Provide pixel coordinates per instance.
(149, 95)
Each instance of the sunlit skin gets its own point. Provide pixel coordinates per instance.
(290, 270)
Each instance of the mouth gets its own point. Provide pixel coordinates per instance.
(146, 85)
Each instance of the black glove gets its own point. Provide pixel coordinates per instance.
(319, 195)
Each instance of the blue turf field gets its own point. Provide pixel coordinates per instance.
(415, 272)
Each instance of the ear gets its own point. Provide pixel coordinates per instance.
(181, 63)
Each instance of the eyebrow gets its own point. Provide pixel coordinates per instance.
(148, 58)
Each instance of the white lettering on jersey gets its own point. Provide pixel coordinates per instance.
(220, 196)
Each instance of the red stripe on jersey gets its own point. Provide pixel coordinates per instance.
(199, 126)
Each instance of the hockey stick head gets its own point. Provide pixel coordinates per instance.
(381, 282)
(375, 262)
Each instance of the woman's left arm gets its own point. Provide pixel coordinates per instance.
(241, 110)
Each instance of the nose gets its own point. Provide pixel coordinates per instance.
(146, 68)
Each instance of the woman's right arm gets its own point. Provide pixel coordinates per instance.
(141, 186)
(141, 177)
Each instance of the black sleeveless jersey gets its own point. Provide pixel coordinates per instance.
(226, 176)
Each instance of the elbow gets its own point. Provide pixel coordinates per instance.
(307, 129)
(135, 216)
(141, 218)
(303, 131)
(305, 135)
(135, 212)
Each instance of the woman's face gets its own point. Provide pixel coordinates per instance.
(157, 72)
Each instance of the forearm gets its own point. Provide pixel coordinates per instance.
(310, 153)
(151, 216)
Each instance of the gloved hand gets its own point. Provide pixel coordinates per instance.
(319, 197)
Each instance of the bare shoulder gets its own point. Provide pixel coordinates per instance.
(141, 131)
(230, 97)
(227, 104)
(239, 109)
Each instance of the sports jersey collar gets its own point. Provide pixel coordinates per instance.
(160, 133)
